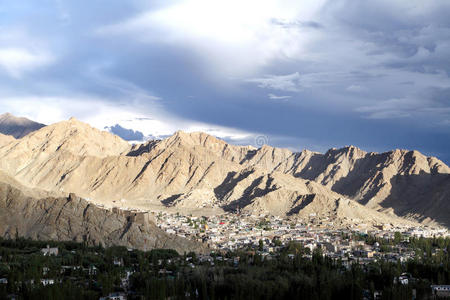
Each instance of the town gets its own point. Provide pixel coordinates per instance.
(245, 257)
(269, 234)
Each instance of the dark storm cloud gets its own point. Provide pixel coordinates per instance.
(415, 35)
(440, 97)
(126, 134)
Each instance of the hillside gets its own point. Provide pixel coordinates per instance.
(5, 139)
(74, 219)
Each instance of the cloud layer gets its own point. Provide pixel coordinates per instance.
(316, 74)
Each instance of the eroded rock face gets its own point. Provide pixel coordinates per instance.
(406, 182)
(196, 170)
(74, 219)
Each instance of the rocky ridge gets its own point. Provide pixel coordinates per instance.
(198, 170)
(74, 219)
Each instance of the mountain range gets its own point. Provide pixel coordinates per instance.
(196, 171)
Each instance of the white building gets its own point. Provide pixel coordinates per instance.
(45, 282)
(49, 251)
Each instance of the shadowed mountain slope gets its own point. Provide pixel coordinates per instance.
(74, 219)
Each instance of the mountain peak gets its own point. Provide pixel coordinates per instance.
(76, 137)
(195, 138)
(351, 147)
(351, 152)
(6, 115)
(18, 127)
(10, 117)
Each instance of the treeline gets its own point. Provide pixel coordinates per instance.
(84, 272)
(291, 278)
(79, 271)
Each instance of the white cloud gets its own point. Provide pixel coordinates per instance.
(295, 82)
(277, 97)
(392, 114)
(288, 83)
(100, 113)
(241, 32)
(96, 111)
(49, 110)
(338, 62)
(21, 52)
(355, 88)
(16, 61)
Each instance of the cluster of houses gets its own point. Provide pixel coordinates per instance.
(230, 232)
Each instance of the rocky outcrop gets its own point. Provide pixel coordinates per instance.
(74, 219)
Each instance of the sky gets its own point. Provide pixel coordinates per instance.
(311, 74)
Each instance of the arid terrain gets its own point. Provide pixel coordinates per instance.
(198, 173)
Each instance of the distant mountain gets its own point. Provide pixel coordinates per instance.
(17, 127)
(197, 171)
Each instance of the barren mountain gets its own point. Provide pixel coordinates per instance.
(74, 219)
(43, 158)
(194, 170)
(17, 127)
(406, 182)
(282, 194)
